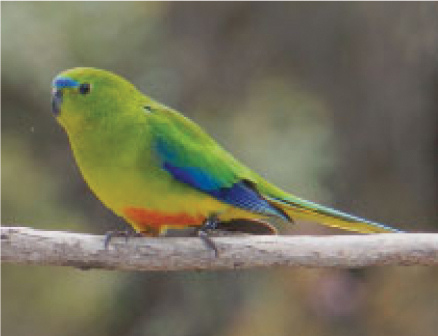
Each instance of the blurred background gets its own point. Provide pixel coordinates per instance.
(336, 102)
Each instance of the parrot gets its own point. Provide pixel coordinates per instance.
(159, 170)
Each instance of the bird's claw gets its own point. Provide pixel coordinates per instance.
(203, 233)
(208, 242)
(113, 234)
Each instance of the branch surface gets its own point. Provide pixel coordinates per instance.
(22, 245)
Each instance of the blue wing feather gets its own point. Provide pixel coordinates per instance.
(194, 176)
(237, 193)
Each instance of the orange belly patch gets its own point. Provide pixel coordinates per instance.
(156, 219)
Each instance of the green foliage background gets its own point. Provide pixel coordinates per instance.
(333, 101)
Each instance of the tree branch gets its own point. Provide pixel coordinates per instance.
(22, 245)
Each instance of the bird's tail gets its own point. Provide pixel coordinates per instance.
(299, 208)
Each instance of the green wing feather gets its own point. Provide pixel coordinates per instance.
(190, 156)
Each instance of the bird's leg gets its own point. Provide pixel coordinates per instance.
(209, 224)
(113, 234)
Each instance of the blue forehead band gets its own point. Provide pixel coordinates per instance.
(63, 82)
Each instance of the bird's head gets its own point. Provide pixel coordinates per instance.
(84, 95)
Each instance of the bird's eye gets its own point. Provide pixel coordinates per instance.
(84, 88)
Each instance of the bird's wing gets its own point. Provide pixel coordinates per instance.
(192, 157)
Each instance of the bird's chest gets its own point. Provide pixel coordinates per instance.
(119, 170)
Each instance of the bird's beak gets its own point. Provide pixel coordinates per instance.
(56, 100)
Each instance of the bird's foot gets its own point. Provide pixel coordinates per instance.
(203, 232)
(124, 234)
